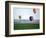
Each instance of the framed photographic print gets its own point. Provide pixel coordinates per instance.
(24, 18)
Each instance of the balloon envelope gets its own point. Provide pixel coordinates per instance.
(34, 10)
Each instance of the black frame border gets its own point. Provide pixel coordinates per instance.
(7, 18)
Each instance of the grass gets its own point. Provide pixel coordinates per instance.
(26, 26)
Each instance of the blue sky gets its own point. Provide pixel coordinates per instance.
(25, 13)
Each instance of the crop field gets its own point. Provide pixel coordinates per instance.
(22, 26)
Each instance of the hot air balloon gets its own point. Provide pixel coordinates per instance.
(19, 17)
(34, 11)
(30, 18)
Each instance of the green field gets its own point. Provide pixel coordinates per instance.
(26, 26)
